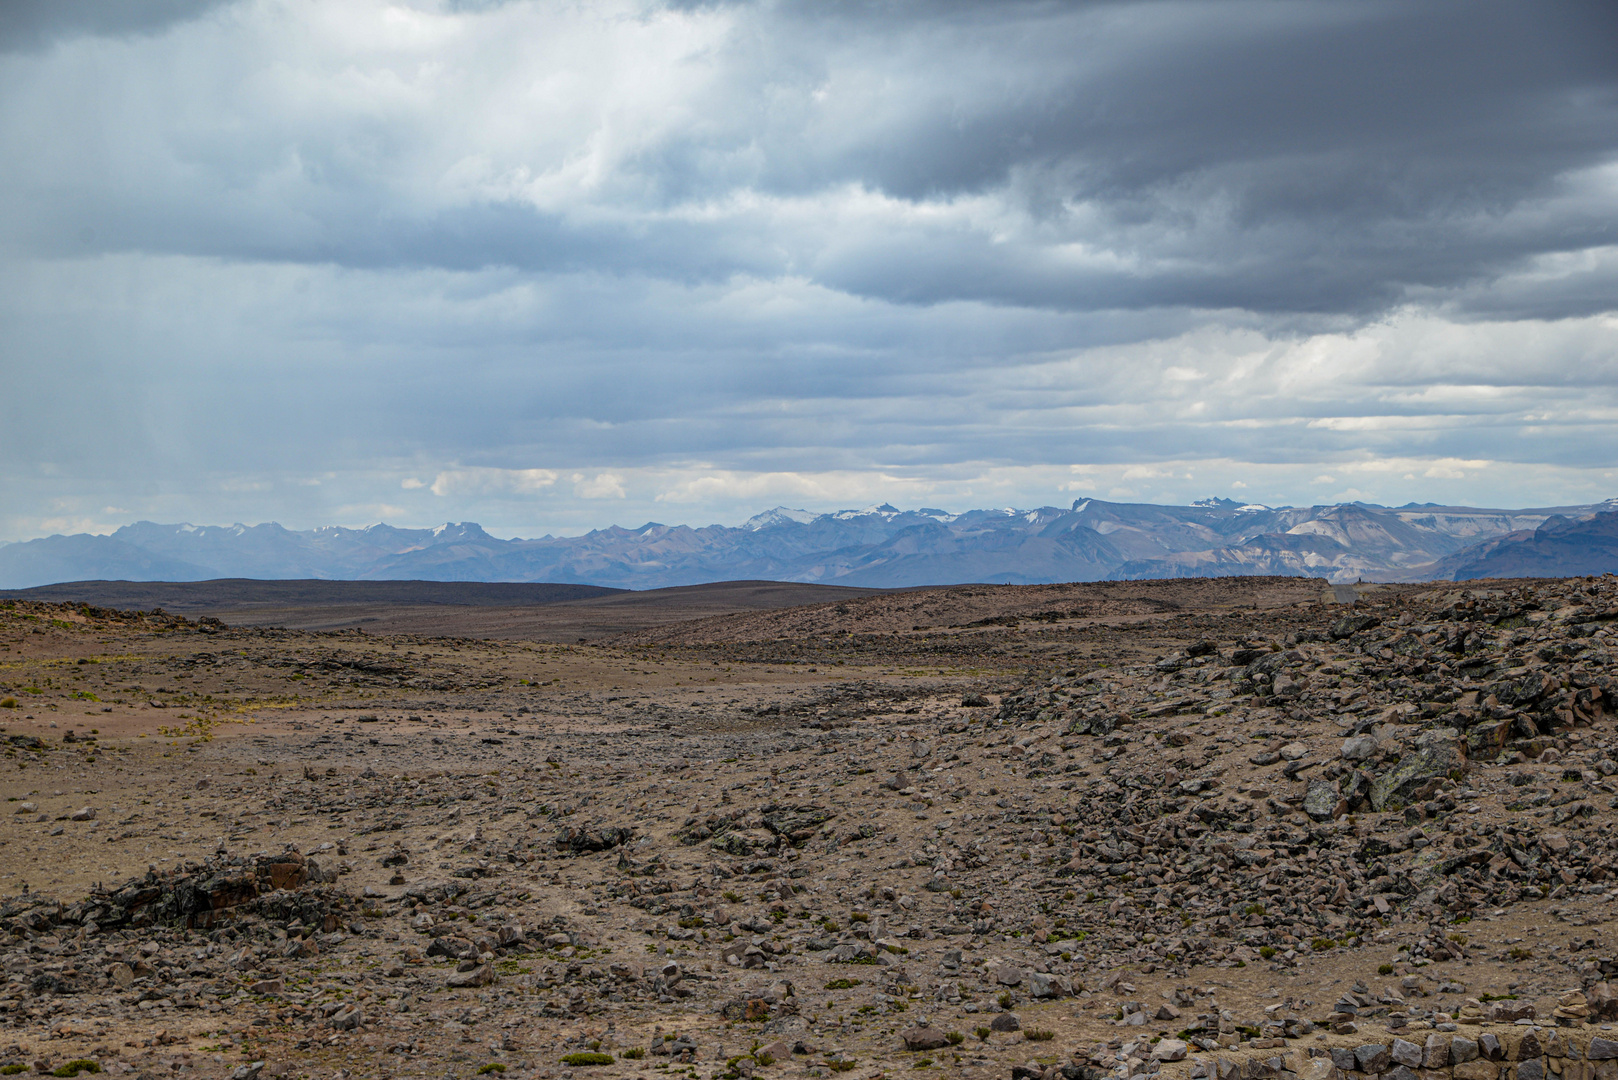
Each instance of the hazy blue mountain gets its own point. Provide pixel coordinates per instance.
(880, 546)
(1561, 547)
(83, 556)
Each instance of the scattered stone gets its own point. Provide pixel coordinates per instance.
(924, 1038)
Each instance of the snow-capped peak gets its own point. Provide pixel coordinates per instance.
(781, 515)
(880, 510)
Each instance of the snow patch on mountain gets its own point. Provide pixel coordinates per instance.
(781, 515)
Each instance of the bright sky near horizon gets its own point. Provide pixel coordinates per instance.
(551, 266)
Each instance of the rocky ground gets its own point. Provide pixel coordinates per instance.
(1189, 828)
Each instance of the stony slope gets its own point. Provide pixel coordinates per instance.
(1261, 830)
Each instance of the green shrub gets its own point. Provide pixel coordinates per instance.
(13, 1069)
(634, 1053)
(982, 1033)
(587, 1058)
(1266, 951)
(1384, 969)
(842, 984)
(491, 1067)
(1038, 1035)
(955, 1038)
(75, 1067)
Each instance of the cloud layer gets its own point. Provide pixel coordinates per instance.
(557, 265)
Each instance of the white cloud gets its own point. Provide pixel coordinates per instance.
(600, 486)
(489, 481)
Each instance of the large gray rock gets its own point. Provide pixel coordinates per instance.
(795, 824)
(924, 1038)
(1360, 748)
(1046, 986)
(1349, 625)
(1169, 1050)
(1373, 1057)
(1603, 1049)
(576, 840)
(481, 975)
(1421, 772)
(1323, 802)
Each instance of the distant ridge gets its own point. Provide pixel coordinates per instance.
(875, 547)
(251, 592)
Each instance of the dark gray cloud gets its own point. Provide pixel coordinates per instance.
(1282, 157)
(33, 24)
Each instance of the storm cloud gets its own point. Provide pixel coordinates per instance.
(552, 266)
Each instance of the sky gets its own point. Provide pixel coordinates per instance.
(555, 266)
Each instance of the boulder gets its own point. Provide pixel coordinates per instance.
(1419, 773)
(1349, 625)
(1323, 802)
(924, 1038)
(1046, 986)
(1169, 1050)
(576, 840)
(1101, 723)
(284, 871)
(347, 1018)
(481, 975)
(795, 824)
(1360, 748)
(1373, 1058)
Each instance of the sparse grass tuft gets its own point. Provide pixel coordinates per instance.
(587, 1058)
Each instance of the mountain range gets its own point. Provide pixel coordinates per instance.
(880, 547)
